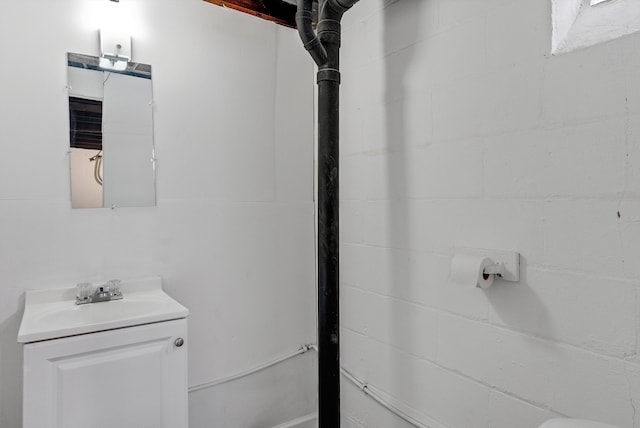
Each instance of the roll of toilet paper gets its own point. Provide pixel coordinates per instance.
(467, 270)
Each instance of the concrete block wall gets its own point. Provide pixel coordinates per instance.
(459, 129)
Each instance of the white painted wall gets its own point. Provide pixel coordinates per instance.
(460, 129)
(232, 232)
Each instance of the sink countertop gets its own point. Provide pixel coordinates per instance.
(51, 314)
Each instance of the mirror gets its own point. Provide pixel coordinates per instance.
(110, 134)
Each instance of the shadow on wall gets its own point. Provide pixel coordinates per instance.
(395, 145)
(11, 370)
(517, 305)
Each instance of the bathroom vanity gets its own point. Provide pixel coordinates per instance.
(120, 363)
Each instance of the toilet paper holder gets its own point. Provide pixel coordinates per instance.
(495, 269)
(504, 265)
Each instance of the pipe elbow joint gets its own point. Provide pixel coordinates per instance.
(345, 4)
(339, 7)
(317, 51)
(304, 21)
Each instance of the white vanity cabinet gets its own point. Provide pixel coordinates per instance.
(133, 377)
(112, 364)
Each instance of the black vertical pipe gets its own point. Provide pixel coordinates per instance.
(325, 50)
(328, 226)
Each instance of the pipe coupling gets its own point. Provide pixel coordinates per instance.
(313, 44)
(329, 25)
(330, 74)
(329, 31)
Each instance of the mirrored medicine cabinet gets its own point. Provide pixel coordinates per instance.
(110, 134)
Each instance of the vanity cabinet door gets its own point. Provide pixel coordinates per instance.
(132, 377)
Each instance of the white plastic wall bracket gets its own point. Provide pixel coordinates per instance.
(115, 44)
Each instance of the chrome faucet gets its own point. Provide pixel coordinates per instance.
(102, 293)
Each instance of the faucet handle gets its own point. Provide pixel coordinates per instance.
(83, 292)
(114, 285)
(114, 289)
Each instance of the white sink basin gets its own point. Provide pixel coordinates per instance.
(49, 314)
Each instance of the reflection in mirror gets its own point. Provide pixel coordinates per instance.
(111, 134)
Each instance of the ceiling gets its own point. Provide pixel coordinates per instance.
(281, 12)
